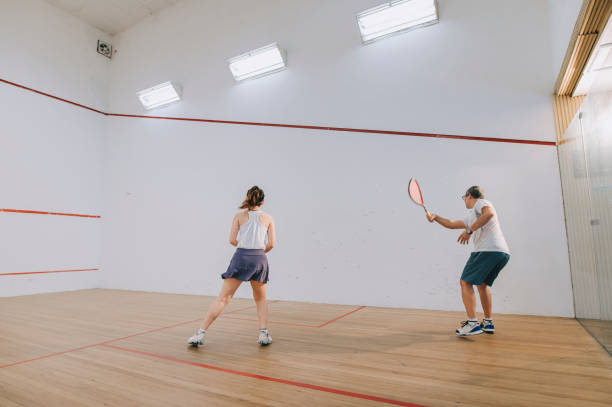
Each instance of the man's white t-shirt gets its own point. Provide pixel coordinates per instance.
(489, 237)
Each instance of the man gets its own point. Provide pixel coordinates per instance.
(490, 255)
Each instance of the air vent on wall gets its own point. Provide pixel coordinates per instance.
(105, 49)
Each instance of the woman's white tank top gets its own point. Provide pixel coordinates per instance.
(252, 235)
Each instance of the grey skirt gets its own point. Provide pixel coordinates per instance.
(248, 265)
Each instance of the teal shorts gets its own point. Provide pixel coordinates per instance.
(483, 267)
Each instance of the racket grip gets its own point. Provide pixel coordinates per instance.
(427, 212)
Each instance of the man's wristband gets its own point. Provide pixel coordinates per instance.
(468, 230)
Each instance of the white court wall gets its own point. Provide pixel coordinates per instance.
(50, 152)
(483, 70)
(347, 232)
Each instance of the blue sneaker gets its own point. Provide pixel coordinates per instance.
(487, 326)
(469, 328)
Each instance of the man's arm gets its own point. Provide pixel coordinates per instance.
(487, 215)
(449, 224)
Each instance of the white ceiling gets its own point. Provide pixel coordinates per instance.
(112, 16)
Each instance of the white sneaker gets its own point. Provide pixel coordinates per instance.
(197, 338)
(487, 326)
(469, 328)
(264, 338)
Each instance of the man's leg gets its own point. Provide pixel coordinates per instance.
(469, 299)
(485, 299)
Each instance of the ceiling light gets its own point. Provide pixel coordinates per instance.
(160, 95)
(395, 17)
(259, 62)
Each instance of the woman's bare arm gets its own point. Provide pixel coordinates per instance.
(271, 236)
(234, 231)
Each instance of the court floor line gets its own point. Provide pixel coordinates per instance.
(341, 316)
(268, 378)
(274, 322)
(49, 355)
(304, 325)
(116, 339)
(161, 329)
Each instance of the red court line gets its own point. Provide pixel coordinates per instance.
(122, 338)
(341, 316)
(177, 324)
(99, 344)
(269, 379)
(245, 308)
(48, 213)
(150, 331)
(343, 129)
(46, 272)
(296, 126)
(52, 96)
(173, 326)
(275, 322)
(49, 356)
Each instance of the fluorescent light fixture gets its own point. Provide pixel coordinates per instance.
(160, 95)
(259, 62)
(395, 17)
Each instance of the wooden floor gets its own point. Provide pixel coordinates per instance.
(125, 348)
(601, 330)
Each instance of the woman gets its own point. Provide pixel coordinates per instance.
(253, 234)
(490, 255)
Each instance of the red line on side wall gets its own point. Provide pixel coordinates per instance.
(295, 126)
(341, 316)
(269, 379)
(47, 213)
(46, 272)
(52, 96)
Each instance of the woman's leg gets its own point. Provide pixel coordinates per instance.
(485, 299)
(230, 285)
(259, 295)
(469, 299)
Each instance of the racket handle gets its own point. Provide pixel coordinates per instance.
(427, 212)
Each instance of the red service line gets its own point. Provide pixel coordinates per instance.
(245, 308)
(341, 316)
(274, 322)
(149, 331)
(46, 272)
(173, 326)
(295, 126)
(269, 379)
(48, 213)
(49, 355)
(303, 325)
